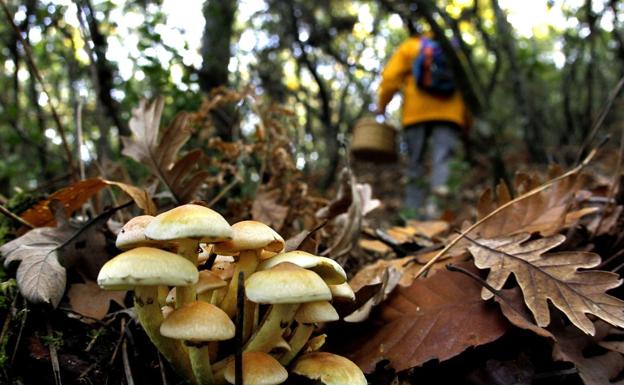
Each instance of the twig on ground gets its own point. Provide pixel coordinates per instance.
(16, 218)
(126, 361)
(528, 194)
(56, 367)
(223, 191)
(21, 330)
(161, 366)
(122, 333)
(240, 317)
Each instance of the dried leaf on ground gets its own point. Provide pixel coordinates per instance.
(375, 246)
(388, 281)
(40, 276)
(89, 300)
(348, 225)
(545, 212)
(513, 308)
(267, 209)
(158, 152)
(553, 277)
(72, 197)
(408, 267)
(138, 195)
(435, 318)
(44, 253)
(596, 369)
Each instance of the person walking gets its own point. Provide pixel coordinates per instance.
(427, 115)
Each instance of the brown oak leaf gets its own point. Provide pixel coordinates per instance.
(555, 277)
(596, 369)
(158, 152)
(435, 318)
(89, 300)
(545, 212)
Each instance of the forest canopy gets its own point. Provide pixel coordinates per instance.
(535, 74)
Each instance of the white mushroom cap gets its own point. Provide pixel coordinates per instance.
(189, 221)
(330, 369)
(258, 369)
(251, 235)
(317, 311)
(198, 321)
(146, 266)
(132, 234)
(286, 283)
(327, 268)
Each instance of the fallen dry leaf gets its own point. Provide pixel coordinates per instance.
(267, 209)
(553, 277)
(513, 308)
(546, 212)
(71, 197)
(138, 195)
(595, 369)
(40, 276)
(89, 300)
(435, 318)
(74, 196)
(347, 225)
(159, 154)
(44, 253)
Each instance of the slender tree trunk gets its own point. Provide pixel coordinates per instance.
(216, 54)
(533, 136)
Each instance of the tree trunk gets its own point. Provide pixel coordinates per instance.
(216, 54)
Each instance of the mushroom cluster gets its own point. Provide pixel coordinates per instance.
(184, 267)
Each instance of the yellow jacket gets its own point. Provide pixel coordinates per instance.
(418, 105)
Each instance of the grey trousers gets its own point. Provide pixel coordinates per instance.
(445, 141)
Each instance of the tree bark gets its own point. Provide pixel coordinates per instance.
(103, 73)
(216, 54)
(533, 128)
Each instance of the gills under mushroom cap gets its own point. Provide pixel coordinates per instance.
(189, 221)
(146, 266)
(286, 283)
(317, 311)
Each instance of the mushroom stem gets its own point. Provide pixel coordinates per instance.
(186, 294)
(248, 261)
(275, 322)
(200, 361)
(148, 311)
(298, 340)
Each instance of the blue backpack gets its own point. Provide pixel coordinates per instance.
(431, 70)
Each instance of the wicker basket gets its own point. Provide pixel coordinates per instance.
(373, 141)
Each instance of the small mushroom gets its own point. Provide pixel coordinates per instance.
(258, 369)
(307, 316)
(329, 369)
(249, 240)
(144, 269)
(132, 234)
(327, 268)
(198, 323)
(285, 287)
(187, 226)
